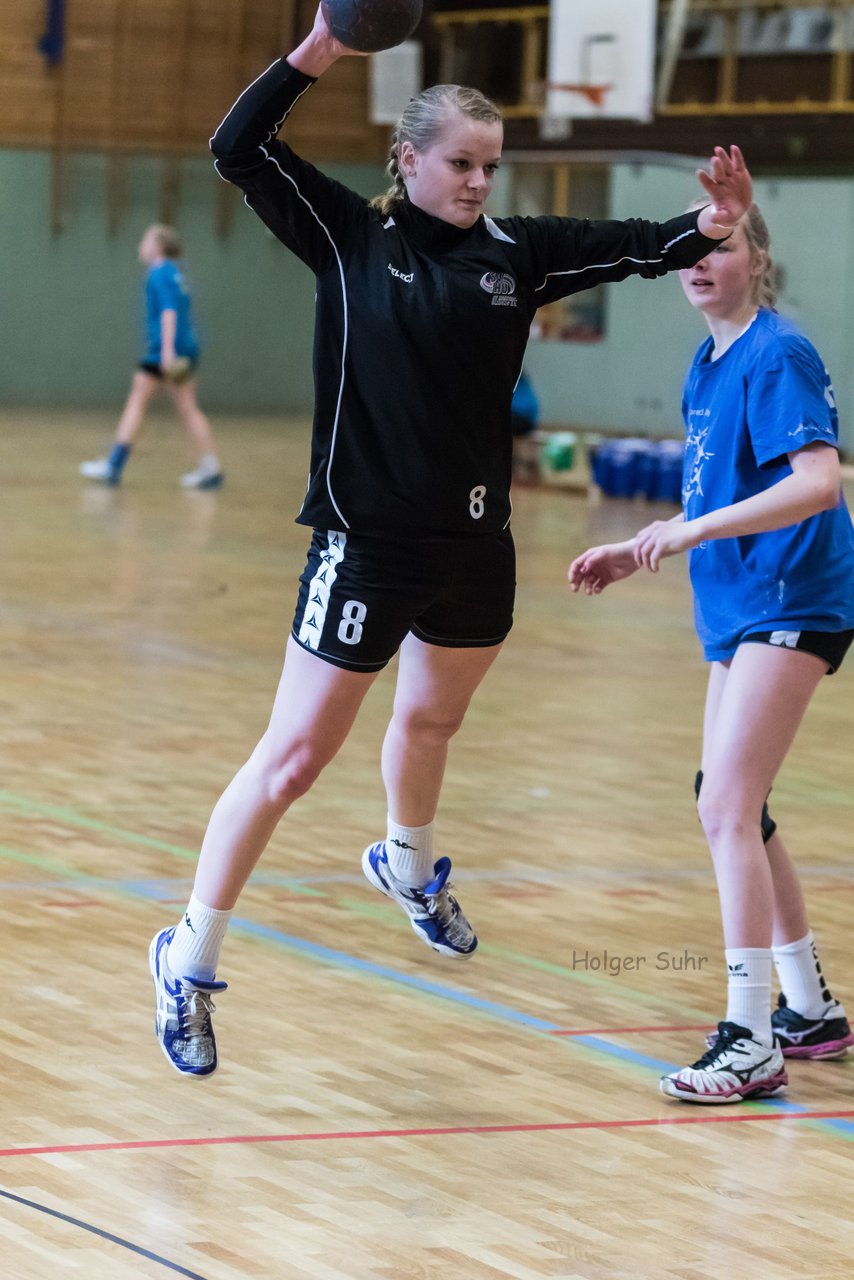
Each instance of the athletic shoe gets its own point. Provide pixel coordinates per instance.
(202, 478)
(182, 1021)
(736, 1067)
(100, 469)
(433, 911)
(826, 1037)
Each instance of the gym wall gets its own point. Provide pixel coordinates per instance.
(71, 303)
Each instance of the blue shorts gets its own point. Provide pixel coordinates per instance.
(361, 594)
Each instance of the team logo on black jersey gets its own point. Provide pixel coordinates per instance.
(502, 287)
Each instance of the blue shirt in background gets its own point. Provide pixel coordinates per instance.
(767, 396)
(166, 290)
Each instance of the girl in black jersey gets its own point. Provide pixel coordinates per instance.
(424, 305)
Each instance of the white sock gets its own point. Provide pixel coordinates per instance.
(194, 950)
(209, 464)
(410, 853)
(749, 990)
(801, 978)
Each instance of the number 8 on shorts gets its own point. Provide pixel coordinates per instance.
(350, 627)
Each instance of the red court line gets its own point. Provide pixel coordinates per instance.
(474, 1129)
(624, 1031)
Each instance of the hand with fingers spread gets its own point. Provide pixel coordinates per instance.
(729, 187)
(596, 568)
(663, 538)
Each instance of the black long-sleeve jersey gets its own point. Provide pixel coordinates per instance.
(420, 326)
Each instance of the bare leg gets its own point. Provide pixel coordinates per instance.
(142, 388)
(434, 688)
(790, 911)
(184, 399)
(752, 715)
(314, 710)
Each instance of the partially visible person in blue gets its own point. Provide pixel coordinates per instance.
(772, 569)
(524, 419)
(524, 407)
(170, 359)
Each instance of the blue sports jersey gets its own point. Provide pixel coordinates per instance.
(767, 396)
(166, 290)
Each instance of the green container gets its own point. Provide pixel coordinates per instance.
(559, 451)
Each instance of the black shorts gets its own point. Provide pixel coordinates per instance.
(831, 646)
(361, 594)
(148, 366)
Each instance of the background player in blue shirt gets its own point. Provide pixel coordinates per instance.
(772, 569)
(170, 358)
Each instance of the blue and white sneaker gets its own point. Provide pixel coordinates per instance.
(182, 1020)
(433, 911)
(100, 469)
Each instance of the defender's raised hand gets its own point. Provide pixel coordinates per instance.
(729, 186)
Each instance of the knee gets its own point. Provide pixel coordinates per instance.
(716, 815)
(722, 811)
(431, 726)
(284, 777)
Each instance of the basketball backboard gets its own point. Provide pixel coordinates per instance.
(601, 59)
(395, 77)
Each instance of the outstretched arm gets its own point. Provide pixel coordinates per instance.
(813, 486)
(596, 568)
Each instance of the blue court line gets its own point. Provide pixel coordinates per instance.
(341, 958)
(105, 1235)
(492, 1008)
(152, 890)
(629, 1055)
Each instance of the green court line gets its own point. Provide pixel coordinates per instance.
(617, 1063)
(73, 819)
(544, 966)
(47, 864)
(596, 981)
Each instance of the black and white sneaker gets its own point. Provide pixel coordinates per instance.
(829, 1036)
(736, 1067)
(826, 1037)
(433, 911)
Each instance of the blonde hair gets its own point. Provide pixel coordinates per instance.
(766, 285)
(168, 240)
(421, 123)
(758, 238)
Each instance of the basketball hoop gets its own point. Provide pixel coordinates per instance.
(594, 93)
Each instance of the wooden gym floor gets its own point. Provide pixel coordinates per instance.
(380, 1113)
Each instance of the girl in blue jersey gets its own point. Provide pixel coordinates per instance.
(772, 568)
(170, 357)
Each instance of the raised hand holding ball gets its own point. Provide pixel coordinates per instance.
(367, 26)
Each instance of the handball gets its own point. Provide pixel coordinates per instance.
(180, 370)
(367, 26)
